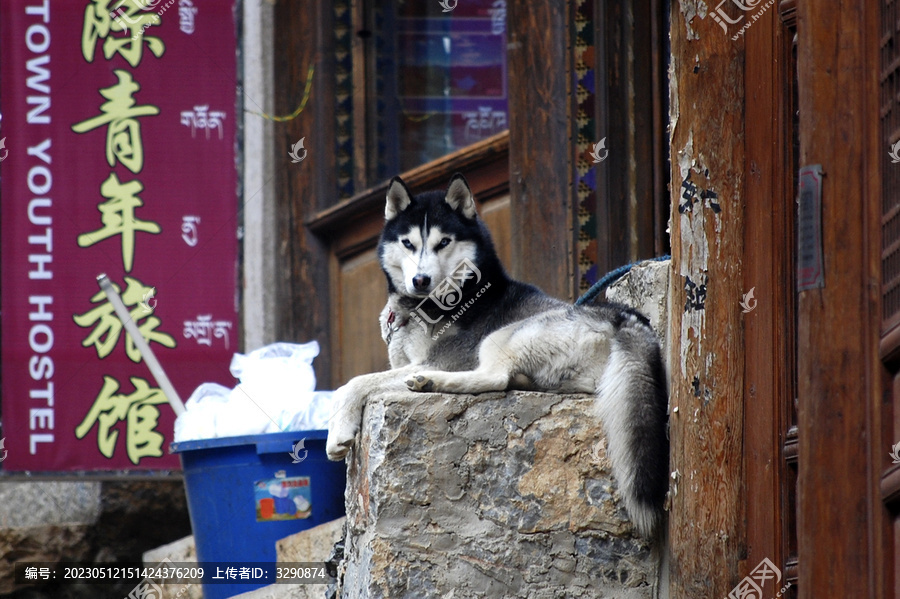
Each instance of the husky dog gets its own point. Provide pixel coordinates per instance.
(456, 323)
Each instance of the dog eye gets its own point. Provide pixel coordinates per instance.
(444, 243)
(407, 244)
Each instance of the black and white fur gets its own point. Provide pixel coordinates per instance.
(511, 336)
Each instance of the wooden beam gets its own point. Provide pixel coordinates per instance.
(304, 38)
(471, 161)
(632, 172)
(706, 518)
(540, 149)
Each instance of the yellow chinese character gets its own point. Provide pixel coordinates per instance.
(123, 136)
(125, 16)
(117, 216)
(108, 327)
(138, 410)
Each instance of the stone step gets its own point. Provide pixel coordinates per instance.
(182, 551)
(313, 545)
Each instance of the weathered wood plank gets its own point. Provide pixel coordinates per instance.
(841, 522)
(629, 177)
(540, 150)
(302, 275)
(707, 147)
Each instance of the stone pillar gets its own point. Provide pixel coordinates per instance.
(495, 495)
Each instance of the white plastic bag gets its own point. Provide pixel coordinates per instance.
(278, 379)
(278, 362)
(316, 416)
(276, 394)
(201, 410)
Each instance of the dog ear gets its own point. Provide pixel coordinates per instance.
(398, 198)
(460, 197)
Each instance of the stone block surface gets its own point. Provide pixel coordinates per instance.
(496, 495)
(182, 551)
(313, 545)
(90, 521)
(646, 289)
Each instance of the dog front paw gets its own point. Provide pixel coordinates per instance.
(343, 425)
(420, 382)
(341, 435)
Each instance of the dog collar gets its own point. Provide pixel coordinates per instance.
(392, 317)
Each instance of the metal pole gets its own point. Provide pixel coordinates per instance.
(158, 373)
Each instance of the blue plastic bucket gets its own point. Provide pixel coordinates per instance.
(245, 493)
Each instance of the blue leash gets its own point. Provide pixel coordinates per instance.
(610, 278)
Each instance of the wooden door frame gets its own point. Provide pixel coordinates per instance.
(766, 269)
(540, 170)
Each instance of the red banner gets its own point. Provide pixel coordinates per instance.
(117, 143)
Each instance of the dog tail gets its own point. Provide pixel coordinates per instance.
(632, 402)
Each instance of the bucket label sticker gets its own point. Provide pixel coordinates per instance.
(282, 499)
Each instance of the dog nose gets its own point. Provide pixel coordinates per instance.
(421, 282)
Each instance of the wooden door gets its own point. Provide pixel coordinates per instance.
(842, 524)
(795, 479)
(339, 89)
(814, 416)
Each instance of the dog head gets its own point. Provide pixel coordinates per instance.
(427, 237)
